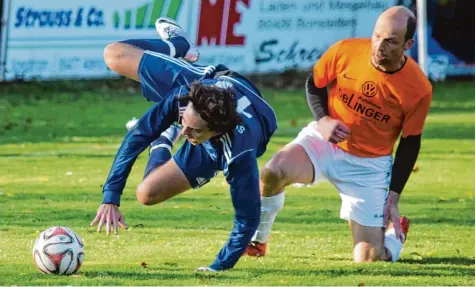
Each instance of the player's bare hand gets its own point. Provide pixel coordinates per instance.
(391, 213)
(332, 130)
(110, 215)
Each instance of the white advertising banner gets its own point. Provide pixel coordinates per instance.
(65, 39)
(273, 35)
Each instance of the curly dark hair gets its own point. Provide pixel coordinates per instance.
(215, 105)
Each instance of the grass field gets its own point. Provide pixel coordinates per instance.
(57, 142)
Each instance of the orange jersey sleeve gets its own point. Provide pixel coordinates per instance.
(325, 69)
(414, 120)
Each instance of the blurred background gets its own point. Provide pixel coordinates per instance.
(55, 39)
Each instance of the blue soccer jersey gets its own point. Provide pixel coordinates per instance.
(234, 153)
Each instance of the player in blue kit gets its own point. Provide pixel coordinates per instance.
(223, 117)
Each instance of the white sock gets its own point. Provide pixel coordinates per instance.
(171, 48)
(393, 244)
(270, 206)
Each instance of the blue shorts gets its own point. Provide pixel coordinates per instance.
(160, 74)
(196, 163)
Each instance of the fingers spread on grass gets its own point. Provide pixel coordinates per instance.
(98, 216)
(122, 223)
(108, 220)
(114, 221)
(101, 221)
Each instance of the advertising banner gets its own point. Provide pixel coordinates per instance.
(65, 39)
(271, 35)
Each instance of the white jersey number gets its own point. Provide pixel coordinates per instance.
(242, 104)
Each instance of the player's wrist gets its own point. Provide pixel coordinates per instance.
(393, 198)
(323, 120)
(110, 197)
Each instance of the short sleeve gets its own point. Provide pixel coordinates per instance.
(325, 69)
(415, 118)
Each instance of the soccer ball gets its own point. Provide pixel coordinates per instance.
(58, 250)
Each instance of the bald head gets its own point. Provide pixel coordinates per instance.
(401, 18)
(392, 36)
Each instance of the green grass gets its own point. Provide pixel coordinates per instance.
(51, 130)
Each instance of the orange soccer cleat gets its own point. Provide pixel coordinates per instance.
(404, 225)
(255, 249)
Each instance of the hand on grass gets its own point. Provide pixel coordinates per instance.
(110, 215)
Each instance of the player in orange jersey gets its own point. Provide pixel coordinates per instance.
(364, 94)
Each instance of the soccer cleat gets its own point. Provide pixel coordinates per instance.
(404, 225)
(255, 249)
(130, 124)
(168, 28)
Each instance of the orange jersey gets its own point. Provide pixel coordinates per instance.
(375, 105)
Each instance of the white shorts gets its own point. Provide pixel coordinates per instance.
(362, 182)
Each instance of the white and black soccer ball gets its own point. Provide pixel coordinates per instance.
(58, 250)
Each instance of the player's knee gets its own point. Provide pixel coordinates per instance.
(143, 194)
(112, 55)
(366, 252)
(272, 176)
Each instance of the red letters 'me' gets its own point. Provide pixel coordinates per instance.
(217, 22)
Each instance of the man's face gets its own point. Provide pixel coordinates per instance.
(388, 42)
(195, 129)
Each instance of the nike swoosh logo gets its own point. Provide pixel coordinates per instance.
(349, 78)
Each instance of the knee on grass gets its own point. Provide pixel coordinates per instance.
(365, 252)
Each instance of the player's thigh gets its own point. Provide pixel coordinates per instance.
(160, 74)
(290, 165)
(368, 243)
(123, 59)
(164, 182)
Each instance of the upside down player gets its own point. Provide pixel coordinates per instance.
(225, 120)
(363, 93)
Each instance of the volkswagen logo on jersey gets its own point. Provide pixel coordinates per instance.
(369, 89)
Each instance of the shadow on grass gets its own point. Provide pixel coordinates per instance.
(160, 274)
(369, 270)
(465, 261)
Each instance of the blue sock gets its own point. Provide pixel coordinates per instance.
(175, 47)
(161, 149)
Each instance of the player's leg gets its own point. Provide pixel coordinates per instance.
(368, 243)
(295, 163)
(362, 185)
(162, 183)
(191, 167)
(161, 149)
(376, 244)
(124, 57)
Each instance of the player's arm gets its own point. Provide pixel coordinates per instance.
(322, 75)
(243, 178)
(317, 99)
(405, 159)
(147, 129)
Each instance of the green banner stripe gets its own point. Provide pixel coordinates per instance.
(140, 15)
(156, 9)
(174, 7)
(127, 22)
